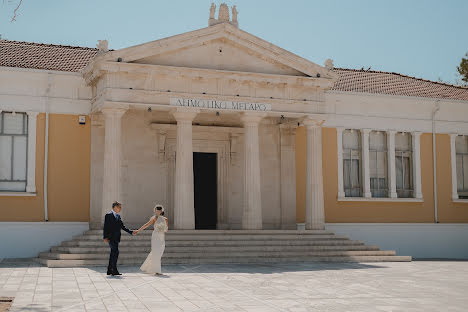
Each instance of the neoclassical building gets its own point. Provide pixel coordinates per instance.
(228, 131)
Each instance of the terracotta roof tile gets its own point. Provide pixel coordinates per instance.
(73, 59)
(355, 80)
(44, 56)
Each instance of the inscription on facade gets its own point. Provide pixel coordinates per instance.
(216, 104)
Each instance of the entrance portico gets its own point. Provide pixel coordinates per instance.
(153, 108)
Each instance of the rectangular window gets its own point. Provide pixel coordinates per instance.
(461, 148)
(378, 164)
(352, 163)
(13, 151)
(403, 165)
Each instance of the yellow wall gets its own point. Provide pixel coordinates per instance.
(364, 211)
(448, 211)
(28, 208)
(68, 174)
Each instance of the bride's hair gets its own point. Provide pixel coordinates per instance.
(159, 207)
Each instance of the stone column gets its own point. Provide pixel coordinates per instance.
(288, 177)
(184, 213)
(252, 216)
(365, 162)
(453, 157)
(31, 178)
(315, 215)
(339, 146)
(391, 164)
(112, 157)
(416, 145)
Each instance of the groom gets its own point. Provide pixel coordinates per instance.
(112, 226)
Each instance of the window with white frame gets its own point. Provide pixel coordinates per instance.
(352, 163)
(13, 151)
(403, 165)
(461, 148)
(378, 172)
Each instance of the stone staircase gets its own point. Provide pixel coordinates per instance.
(219, 246)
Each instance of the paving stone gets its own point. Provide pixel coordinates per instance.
(406, 286)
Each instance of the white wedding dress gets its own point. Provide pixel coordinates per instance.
(152, 263)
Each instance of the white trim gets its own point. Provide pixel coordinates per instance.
(19, 194)
(416, 145)
(19, 242)
(411, 224)
(58, 105)
(465, 201)
(453, 158)
(339, 141)
(365, 162)
(419, 240)
(42, 71)
(381, 199)
(49, 224)
(391, 164)
(31, 171)
(404, 97)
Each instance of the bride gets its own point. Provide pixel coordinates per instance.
(152, 263)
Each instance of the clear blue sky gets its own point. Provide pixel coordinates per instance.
(422, 38)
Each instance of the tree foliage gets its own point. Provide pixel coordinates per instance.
(463, 68)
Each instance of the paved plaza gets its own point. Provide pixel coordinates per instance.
(411, 286)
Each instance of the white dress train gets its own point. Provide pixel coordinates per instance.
(152, 263)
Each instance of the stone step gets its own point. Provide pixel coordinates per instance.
(135, 246)
(218, 250)
(227, 254)
(140, 242)
(219, 246)
(227, 232)
(123, 261)
(175, 249)
(184, 237)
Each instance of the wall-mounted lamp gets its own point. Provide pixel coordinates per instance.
(217, 113)
(149, 110)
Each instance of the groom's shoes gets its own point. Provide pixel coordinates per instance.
(115, 272)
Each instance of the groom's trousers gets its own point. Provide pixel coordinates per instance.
(114, 255)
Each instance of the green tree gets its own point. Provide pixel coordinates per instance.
(463, 68)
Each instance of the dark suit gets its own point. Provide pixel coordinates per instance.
(112, 226)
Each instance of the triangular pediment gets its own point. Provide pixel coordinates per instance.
(221, 54)
(220, 47)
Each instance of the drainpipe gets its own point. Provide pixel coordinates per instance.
(434, 157)
(46, 144)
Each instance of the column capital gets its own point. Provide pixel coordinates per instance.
(113, 111)
(416, 133)
(366, 131)
(181, 114)
(248, 118)
(30, 114)
(312, 123)
(392, 132)
(340, 129)
(453, 136)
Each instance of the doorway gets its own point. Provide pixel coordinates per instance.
(205, 190)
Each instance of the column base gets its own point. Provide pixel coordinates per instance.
(315, 226)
